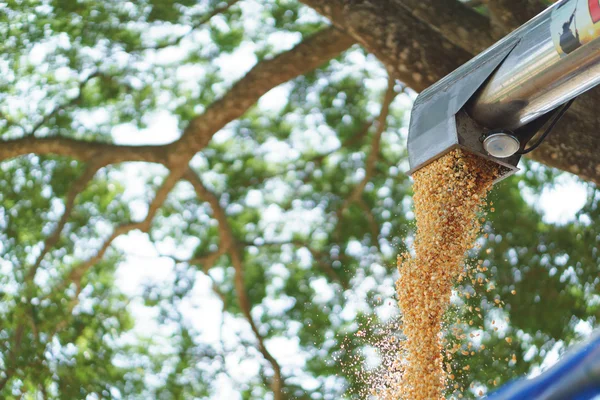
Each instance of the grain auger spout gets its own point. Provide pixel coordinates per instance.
(495, 104)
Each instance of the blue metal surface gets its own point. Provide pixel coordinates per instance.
(575, 377)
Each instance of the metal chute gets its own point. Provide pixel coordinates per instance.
(511, 89)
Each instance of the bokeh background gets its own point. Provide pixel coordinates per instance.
(194, 206)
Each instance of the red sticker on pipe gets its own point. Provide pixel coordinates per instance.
(594, 6)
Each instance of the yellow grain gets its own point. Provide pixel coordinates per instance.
(449, 194)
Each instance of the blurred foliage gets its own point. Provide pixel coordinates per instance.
(319, 270)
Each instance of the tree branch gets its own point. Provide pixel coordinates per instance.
(373, 156)
(12, 355)
(77, 187)
(79, 271)
(333, 275)
(331, 272)
(240, 288)
(356, 138)
(373, 225)
(206, 260)
(507, 15)
(201, 21)
(63, 106)
(228, 239)
(81, 150)
(217, 291)
(317, 160)
(356, 193)
(265, 75)
(474, 3)
(9, 123)
(225, 235)
(458, 22)
(410, 49)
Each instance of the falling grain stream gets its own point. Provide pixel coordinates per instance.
(448, 196)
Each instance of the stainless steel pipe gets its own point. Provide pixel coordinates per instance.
(557, 57)
(512, 86)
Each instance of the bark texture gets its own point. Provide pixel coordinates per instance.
(420, 41)
(506, 15)
(410, 49)
(459, 23)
